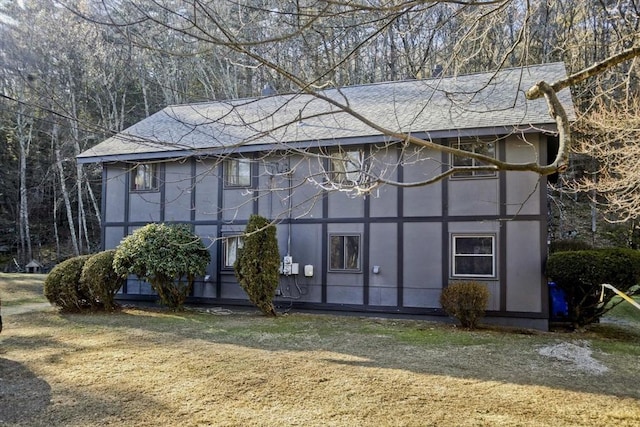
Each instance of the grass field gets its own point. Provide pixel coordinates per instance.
(157, 368)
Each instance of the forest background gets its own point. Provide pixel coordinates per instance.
(73, 73)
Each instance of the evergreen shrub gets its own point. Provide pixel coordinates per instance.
(581, 275)
(258, 262)
(169, 257)
(62, 285)
(466, 301)
(99, 281)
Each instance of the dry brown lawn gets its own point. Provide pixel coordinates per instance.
(156, 368)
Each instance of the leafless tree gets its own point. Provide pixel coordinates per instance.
(101, 65)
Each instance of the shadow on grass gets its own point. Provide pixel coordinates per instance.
(22, 394)
(26, 399)
(425, 348)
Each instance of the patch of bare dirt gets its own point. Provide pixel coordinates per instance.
(575, 356)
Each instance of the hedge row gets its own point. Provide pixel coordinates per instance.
(581, 275)
(82, 282)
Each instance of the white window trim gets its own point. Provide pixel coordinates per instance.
(453, 255)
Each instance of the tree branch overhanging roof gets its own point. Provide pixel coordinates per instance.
(444, 106)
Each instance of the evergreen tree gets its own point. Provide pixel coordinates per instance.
(257, 264)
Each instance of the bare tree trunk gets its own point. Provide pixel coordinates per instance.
(82, 218)
(94, 203)
(24, 137)
(65, 194)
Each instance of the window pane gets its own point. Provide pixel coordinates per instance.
(484, 148)
(352, 250)
(474, 265)
(474, 245)
(344, 252)
(346, 167)
(244, 173)
(232, 244)
(144, 177)
(337, 253)
(238, 172)
(353, 165)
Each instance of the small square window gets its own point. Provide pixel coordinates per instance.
(231, 246)
(347, 167)
(237, 172)
(478, 147)
(344, 252)
(144, 177)
(473, 256)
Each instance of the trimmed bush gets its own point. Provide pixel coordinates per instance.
(169, 257)
(99, 280)
(581, 275)
(258, 262)
(62, 285)
(465, 301)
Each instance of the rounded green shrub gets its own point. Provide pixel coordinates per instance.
(169, 257)
(99, 280)
(465, 301)
(258, 262)
(62, 285)
(581, 275)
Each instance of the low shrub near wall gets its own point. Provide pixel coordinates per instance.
(62, 285)
(99, 280)
(466, 301)
(581, 275)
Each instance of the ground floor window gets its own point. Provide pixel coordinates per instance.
(231, 245)
(344, 252)
(473, 256)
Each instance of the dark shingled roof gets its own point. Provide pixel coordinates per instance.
(449, 106)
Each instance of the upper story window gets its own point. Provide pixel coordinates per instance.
(478, 147)
(237, 172)
(473, 256)
(144, 177)
(344, 252)
(231, 246)
(347, 167)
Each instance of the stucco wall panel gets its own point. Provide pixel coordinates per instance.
(178, 192)
(523, 187)
(144, 207)
(422, 264)
(420, 165)
(473, 196)
(113, 236)
(115, 193)
(524, 271)
(206, 187)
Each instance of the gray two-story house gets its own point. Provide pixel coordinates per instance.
(353, 234)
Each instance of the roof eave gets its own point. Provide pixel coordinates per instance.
(327, 143)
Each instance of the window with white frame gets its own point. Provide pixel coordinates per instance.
(477, 147)
(144, 177)
(344, 252)
(231, 246)
(473, 256)
(347, 167)
(237, 172)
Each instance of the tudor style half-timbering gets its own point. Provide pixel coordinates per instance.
(392, 250)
